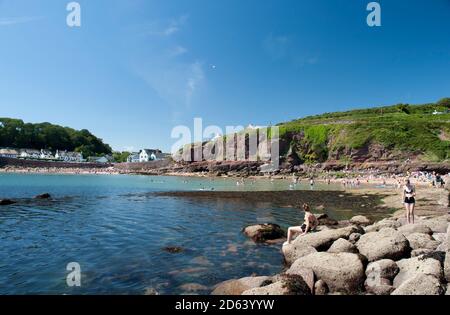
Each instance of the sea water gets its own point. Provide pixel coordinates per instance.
(117, 231)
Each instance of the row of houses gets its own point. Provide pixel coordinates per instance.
(144, 155)
(42, 154)
(147, 155)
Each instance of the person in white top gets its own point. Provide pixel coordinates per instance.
(409, 194)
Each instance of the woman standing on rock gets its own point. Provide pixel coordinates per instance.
(409, 192)
(309, 225)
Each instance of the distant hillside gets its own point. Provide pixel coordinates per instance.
(395, 132)
(17, 134)
(420, 133)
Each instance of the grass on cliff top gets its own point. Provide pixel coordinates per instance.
(401, 127)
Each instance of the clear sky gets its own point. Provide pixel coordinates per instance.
(137, 68)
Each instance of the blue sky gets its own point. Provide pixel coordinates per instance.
(137, 68)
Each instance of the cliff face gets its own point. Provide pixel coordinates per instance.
(386, 135)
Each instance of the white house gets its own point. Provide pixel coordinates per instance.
(133, 157)
(30, 154)
(150, 155)
(9, 153)
(46, 155)
(69, 156)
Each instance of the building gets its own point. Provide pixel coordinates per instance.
(30, 154)
(147, 155)
(46, 155)
(65, 156)
(9, 153)
(133, 157)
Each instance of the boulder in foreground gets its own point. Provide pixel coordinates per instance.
(423, 241)
(237, 286)
(411, 267)
(360, 220)
(261, 233)
(387, 243)
(318, 241)
(342, 246)
(384, 268)
(342, 272)
(415, 228)
(287, 285)
(420, 284)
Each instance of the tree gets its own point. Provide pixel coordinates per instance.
(121, 157)
(15, 133)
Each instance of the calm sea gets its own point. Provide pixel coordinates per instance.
(116, 231)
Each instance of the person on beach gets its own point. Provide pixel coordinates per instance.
(409, 193)
(311, 183)
(310, 224)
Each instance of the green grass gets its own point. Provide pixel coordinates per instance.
(403, 130)
(409, 129)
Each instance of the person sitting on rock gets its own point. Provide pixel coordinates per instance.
(309, 224)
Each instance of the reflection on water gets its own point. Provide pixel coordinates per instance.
(116, 231)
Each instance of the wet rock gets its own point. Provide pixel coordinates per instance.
(411, 267)
(384, 268)
(306, 273)
(320, 288)
(420, 240)
(387, 243)
(342, 272)
(6, 202)
(342, 246)
(360, 220)
(173, 249)
(264, 232)
(420, 284)
(237, 286)
(43, 196)
(288, 285)
(319, 241)
(276, 288)
(324, 219)
(414, 228)
(151, 291)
